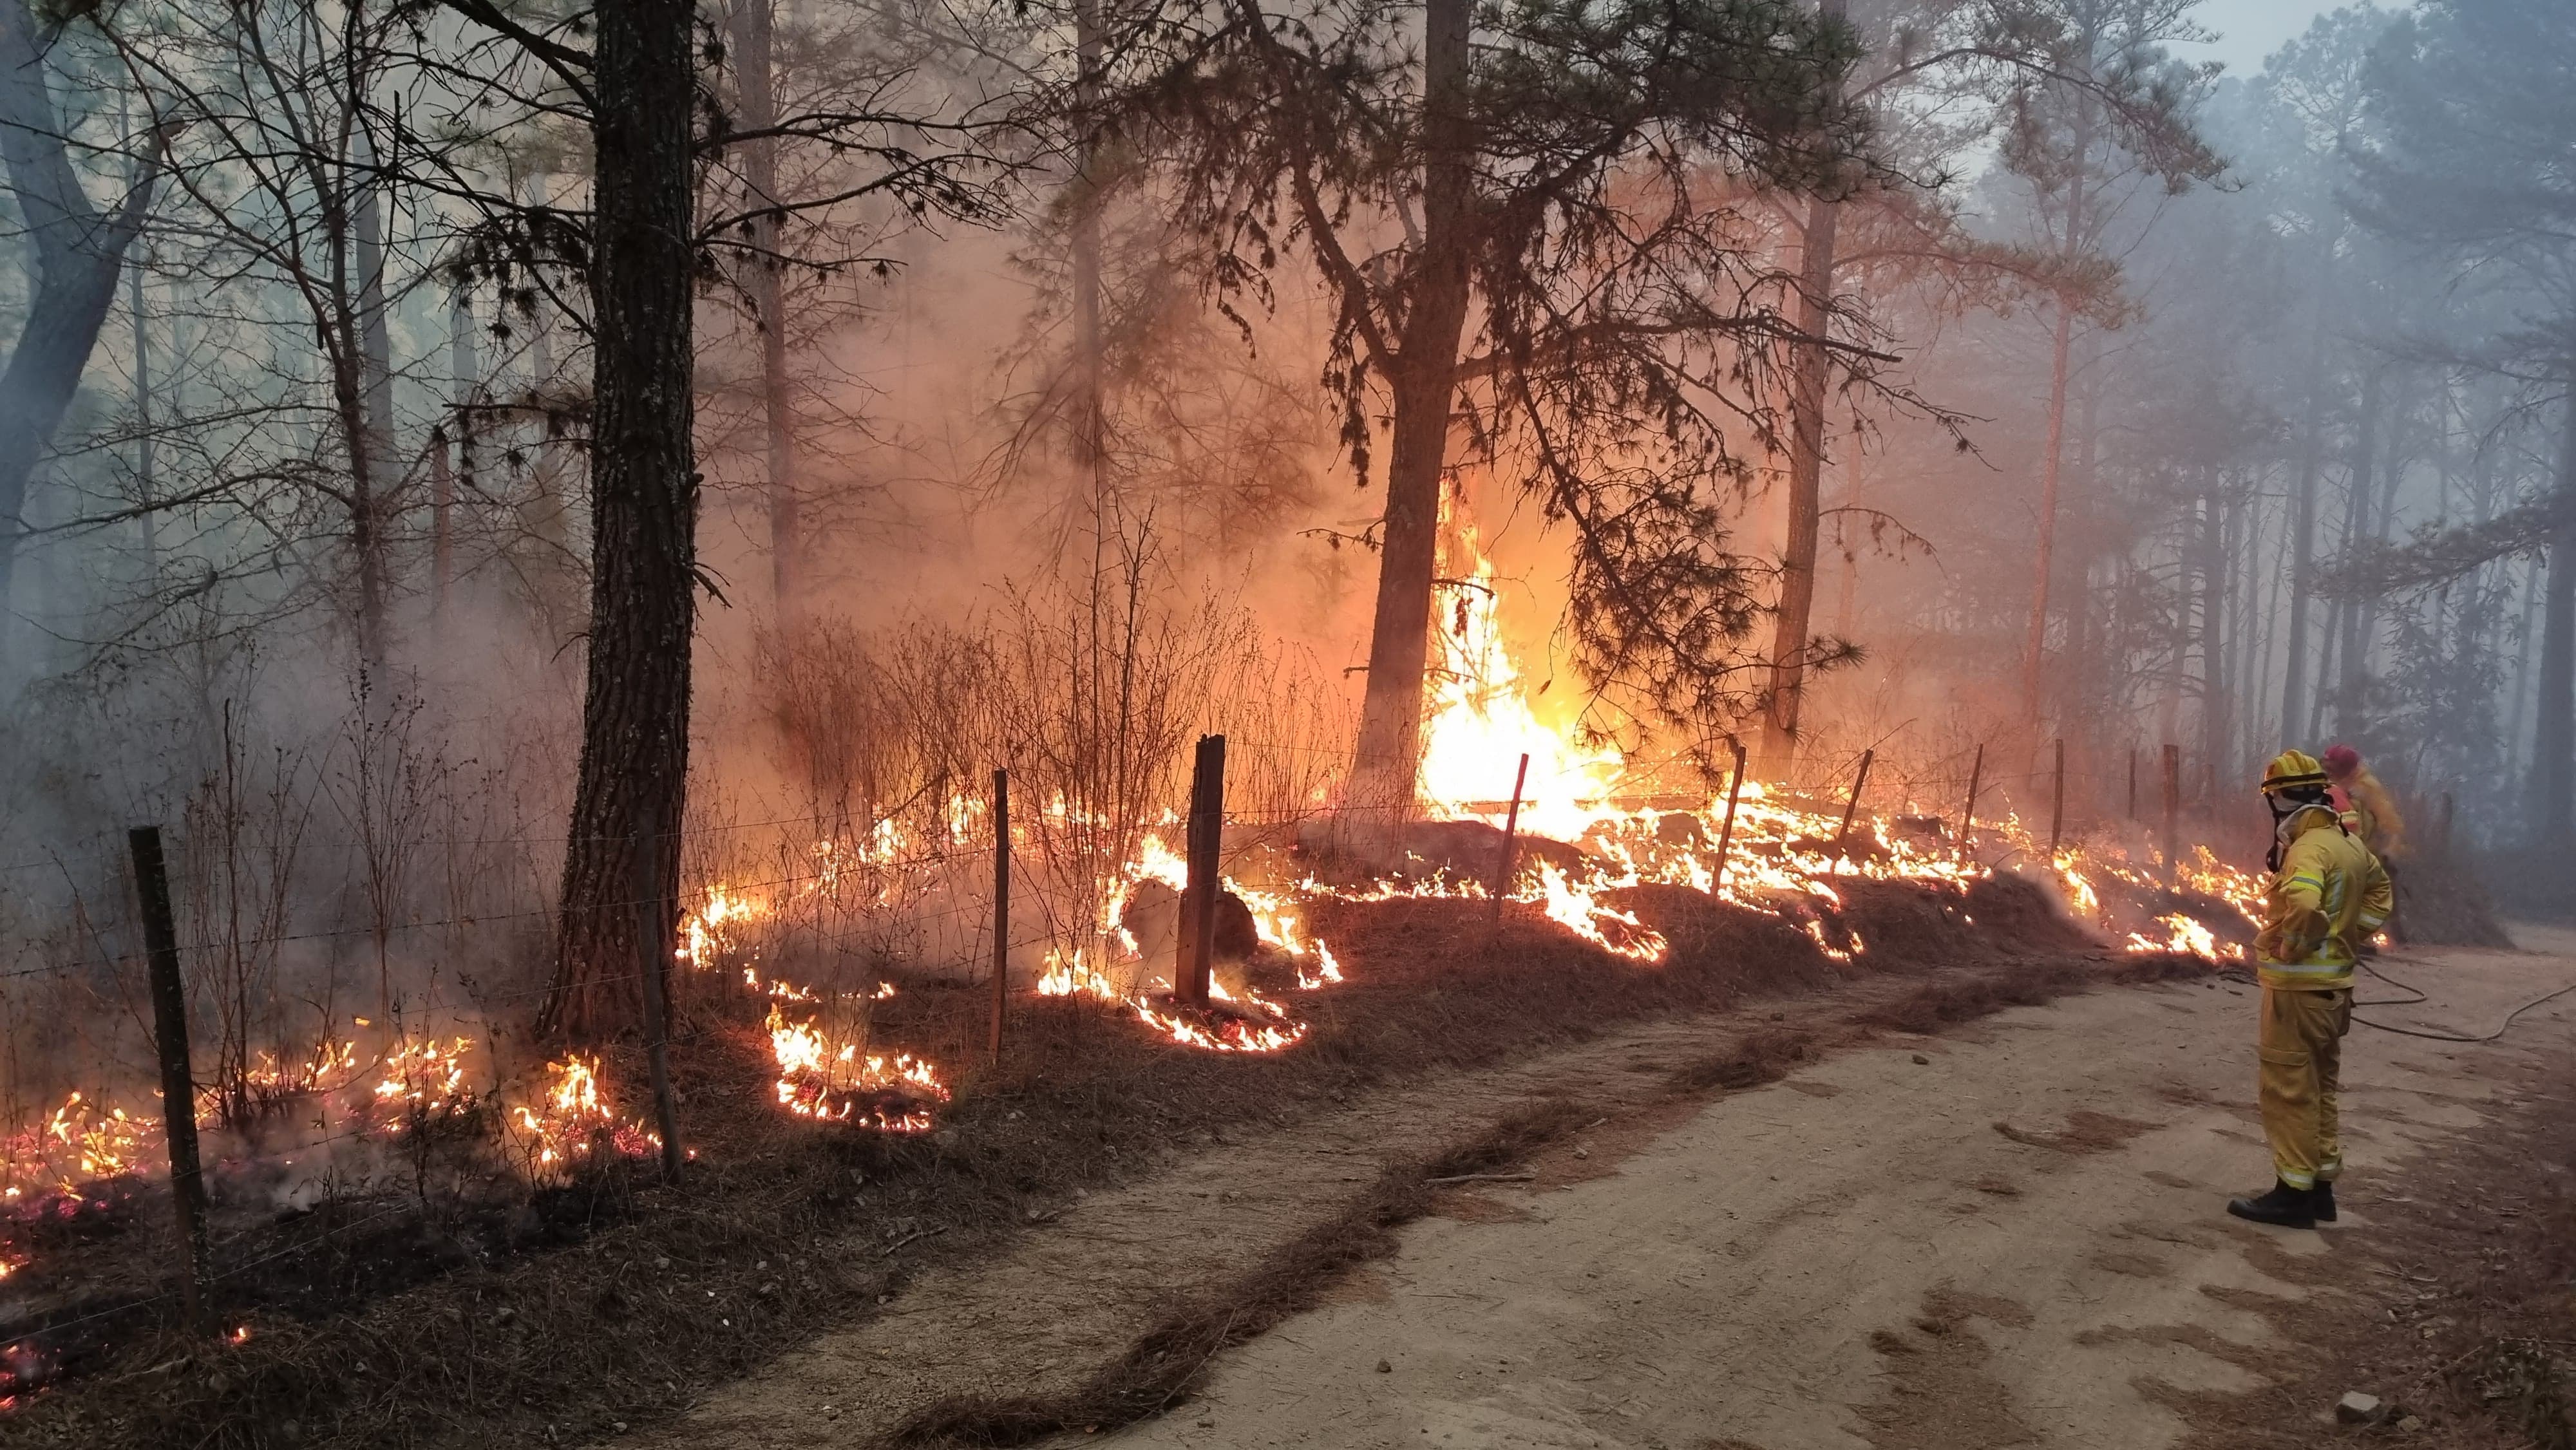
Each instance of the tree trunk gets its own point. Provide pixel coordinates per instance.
(2217, 580)
(2034, 650)
(2089, 677)
(79, 251)
(442, 519)
(1845, 608)
(1091, 407)
(2553, 742)
(1809, 366)
(2525, 648)
(757, 79)
(1806, 467)
(146, 489)
(2303, 528)
(465, 385)
(2365, 522)
(2331, 656)
(2258, 666)
(1389, 754)
(371, 438)
(644, 494)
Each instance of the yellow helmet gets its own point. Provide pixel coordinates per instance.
(2293, 770)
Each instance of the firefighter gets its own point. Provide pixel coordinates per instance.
(2369, 811)
(2327, 894)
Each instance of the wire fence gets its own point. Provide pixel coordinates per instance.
(801, 909)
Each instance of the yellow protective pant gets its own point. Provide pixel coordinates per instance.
(2301, 1046)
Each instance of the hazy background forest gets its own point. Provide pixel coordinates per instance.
(1394, 389)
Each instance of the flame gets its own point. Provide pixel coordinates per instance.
(1578, 910)
(1225, 1031)
(1326, 970)
(569, 1118)
(2183, 935)
(423, 1080)
(702, 932)
(821, 1078)
(1478, 721)
(93, 1143)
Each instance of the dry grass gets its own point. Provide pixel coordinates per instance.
(2443, 901)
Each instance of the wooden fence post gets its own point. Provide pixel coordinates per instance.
(1001, 906)
(1860, 779)
(1734, 793)
(178, 1081)
(1968, 817)
(1196, 944)
(1511, 830)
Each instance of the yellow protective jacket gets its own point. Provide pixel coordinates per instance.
(2328, 897)
(2372, 815)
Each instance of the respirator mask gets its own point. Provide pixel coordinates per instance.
(2286, 810)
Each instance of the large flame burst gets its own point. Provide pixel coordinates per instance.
(1785, 856)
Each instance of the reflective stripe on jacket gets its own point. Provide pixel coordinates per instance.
(2328, 897)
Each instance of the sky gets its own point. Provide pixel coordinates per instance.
(2252, 29)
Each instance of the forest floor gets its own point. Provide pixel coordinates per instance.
(1853, 1219)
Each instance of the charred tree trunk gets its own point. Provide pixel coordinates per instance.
(79, 251)
(757, 78)
(644, 496)
(1425, 381)
(2044, 556)
(2553, 741)
(1806, 472)
(1806, 467)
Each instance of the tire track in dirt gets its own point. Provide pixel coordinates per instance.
(1026, 1338)
(1882, 1266)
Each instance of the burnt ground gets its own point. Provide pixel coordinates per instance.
(597, 1315)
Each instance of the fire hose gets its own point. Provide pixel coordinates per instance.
(2422, 996)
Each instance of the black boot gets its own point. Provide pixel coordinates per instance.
(2321, 1201)
(2285, 1206)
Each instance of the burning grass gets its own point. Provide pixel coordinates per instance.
(615, 1298)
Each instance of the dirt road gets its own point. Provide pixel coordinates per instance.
(2008, 1235)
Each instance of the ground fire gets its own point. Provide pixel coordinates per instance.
(1354, 723)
